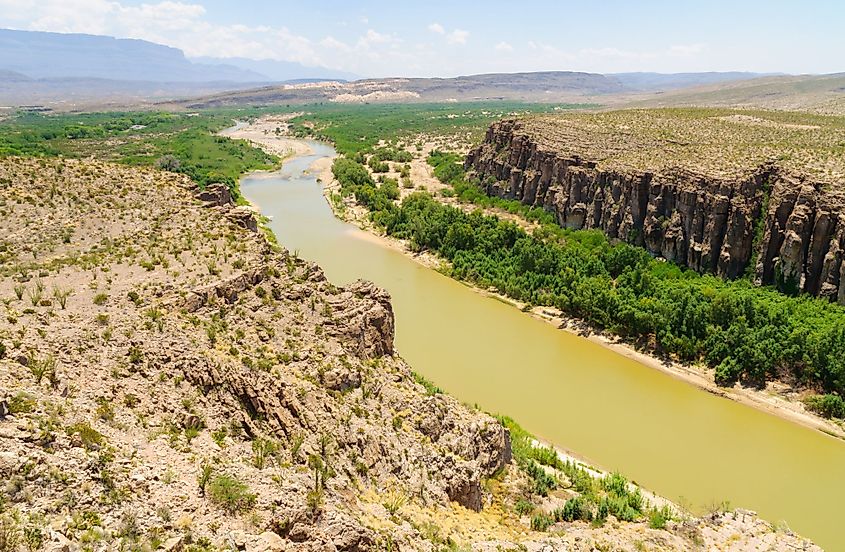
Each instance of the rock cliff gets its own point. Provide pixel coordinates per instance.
(170, 380)
(789, 226)
(172, 338)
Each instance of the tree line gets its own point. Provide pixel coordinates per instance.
(746, 333)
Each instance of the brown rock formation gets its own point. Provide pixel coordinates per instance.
(697, 219)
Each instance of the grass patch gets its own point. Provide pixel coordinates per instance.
(230, 494)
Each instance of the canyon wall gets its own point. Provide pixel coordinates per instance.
(789, 231)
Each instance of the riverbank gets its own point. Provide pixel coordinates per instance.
(270, 134)
(771, 400)
(618, 414)
(701, 377)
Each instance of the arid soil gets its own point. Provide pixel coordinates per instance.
(172, 380)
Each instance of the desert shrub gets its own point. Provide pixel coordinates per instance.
(541, 522)
(61, 295)
(42, 367)
(262, 450)
(90, 437)
(524, 507)
(219, 436)
(204, 476)
(657, 517)
(574, 509)
(542, 481)
(232, 495)
(168, 163)
(9, 534)
(134, 297)
(21, 403)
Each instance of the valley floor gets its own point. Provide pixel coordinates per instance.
(776, 398)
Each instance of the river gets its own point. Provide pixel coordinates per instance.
(665, 434)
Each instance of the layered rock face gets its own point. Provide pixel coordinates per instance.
(712, 224)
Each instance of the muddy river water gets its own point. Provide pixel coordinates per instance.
(667, 435)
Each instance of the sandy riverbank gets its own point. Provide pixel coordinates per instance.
(770, 400)
(269, 134)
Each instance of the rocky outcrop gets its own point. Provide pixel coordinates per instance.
(244, 361)
(793, 228)
(215, 195)
(367, 324)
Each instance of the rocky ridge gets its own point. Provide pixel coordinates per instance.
(179, 340)
(717, 209)
(170, 379)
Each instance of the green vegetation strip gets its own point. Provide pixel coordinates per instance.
(359, 128)
(745, 332)
(185, 143)
(597, 497)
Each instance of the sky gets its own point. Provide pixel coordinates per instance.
(449, 38)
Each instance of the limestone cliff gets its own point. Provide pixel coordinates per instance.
(790, 226)
(170, 380)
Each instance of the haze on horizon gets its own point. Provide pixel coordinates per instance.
(438, 38)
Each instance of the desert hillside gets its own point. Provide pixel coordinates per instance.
(823, 94)
(170, 379)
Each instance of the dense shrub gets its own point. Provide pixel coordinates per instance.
(573, 510)
(829, 406)
(745, 332)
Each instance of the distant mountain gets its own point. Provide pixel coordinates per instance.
(12, 76)
(90, 93)
(816, 93)
(550, 86)
(655, 82)
(277, 70)
(527, 86)
(55, 55)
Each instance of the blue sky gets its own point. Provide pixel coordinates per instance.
(447, 38)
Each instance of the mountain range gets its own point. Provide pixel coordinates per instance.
(43, 55)
(72, 70)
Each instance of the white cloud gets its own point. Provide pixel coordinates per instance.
(179, 24)
(332, 43)
(372, 37)
(187, 25)
(437, 28)
(458, 36)
(504, 47)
